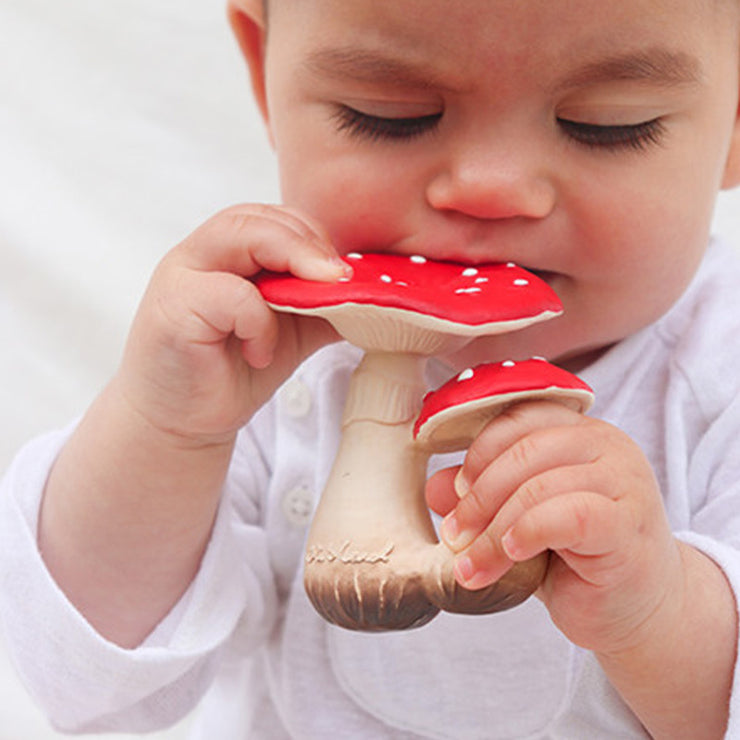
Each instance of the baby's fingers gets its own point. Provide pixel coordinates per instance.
(210, 306)
(248, 238)
(581, 523)
(512, 425)
(539, 452)
(579, 526)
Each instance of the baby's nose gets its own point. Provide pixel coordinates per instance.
(493, 181)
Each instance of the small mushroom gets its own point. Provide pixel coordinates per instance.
(373, 560)
(453, 415)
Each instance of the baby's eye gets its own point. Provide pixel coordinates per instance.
(638, 136)
(372, 127)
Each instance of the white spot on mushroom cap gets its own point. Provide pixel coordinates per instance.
(354, 256)
(470, 272)
(508, 363)
(511, 264)
(386, 278)
(417, 259)
(521, 282)
(461, 291)
(481, 280)
(466, 374)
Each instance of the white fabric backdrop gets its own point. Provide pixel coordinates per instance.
(123, 125)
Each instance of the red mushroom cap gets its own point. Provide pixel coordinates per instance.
(447, 290)
(453, 415)
(447, 298)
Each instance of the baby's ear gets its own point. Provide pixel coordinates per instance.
(247, 20)
(732, 169)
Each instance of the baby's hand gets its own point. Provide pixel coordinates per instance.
(205, 351)
(542, 477)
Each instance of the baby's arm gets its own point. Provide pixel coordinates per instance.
(659, 615)
(131, 500)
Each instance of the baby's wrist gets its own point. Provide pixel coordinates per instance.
(158, 428)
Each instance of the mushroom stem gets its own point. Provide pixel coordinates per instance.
(373, 560)
(356, 570)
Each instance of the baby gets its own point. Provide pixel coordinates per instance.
(159, 540)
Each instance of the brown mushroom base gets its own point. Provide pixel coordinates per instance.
(382, 590)
(363, 597)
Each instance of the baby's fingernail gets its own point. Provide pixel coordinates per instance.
(509, 545)
(464, 569)
(343, 270)
(455, 538)
(462, 487)
(326, 267)
(450, 529)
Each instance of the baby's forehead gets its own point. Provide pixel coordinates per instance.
(407, 13)
(732, 6)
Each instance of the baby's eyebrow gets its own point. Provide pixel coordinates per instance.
(364, 65)
(655, 66)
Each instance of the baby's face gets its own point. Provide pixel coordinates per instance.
(585, 140)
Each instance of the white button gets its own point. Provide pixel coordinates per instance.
(295, 399)
(297, 505)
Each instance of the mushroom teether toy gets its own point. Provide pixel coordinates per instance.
(373, 560)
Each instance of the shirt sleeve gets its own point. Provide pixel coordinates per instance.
(85, 683)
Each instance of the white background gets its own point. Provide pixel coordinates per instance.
(123, 125)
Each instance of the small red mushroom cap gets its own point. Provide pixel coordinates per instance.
(415, 304)
(453, 415)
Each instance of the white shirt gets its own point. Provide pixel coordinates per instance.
(278, 670)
